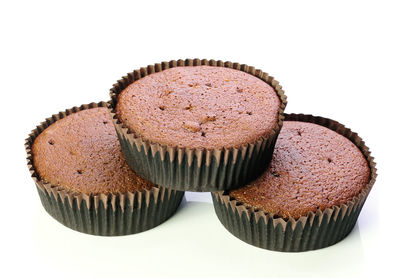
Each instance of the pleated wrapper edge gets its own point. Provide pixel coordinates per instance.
(316, 230)
(195, 169)
(101, 214)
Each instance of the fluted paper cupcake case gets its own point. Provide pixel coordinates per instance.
(101, 214)
(316, 230)
(192, 169)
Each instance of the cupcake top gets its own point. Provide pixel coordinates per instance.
(199, 107)
(81, 153)
(312, 168)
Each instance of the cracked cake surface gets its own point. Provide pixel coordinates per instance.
(312, 168)
(199, 107)
(81, 153)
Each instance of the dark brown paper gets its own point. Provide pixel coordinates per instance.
(314, 231)
(107, 215)
(195, 169)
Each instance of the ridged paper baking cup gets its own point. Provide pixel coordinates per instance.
(314, 231)
(195, 169)
(106, 215)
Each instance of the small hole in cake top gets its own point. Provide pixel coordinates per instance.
(51, 142)
(329, 160)
(275, 174)
(299, 132)
(189, 107)
(203, 134)
(105, 122)
(162, 107)
(249, 113)
(80, 172)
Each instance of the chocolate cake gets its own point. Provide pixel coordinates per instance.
(81, 153)
(199, 107)
(312, 168)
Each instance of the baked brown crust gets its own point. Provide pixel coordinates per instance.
(199, 107)
(81, 153)
(312, 168)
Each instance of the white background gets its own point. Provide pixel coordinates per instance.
(339, 60)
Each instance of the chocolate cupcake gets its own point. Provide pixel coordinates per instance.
(198, 125)
(311, 194)
(84, 181)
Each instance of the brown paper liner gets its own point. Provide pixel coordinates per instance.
(314, 231)
(101, 214)
(195, 169)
